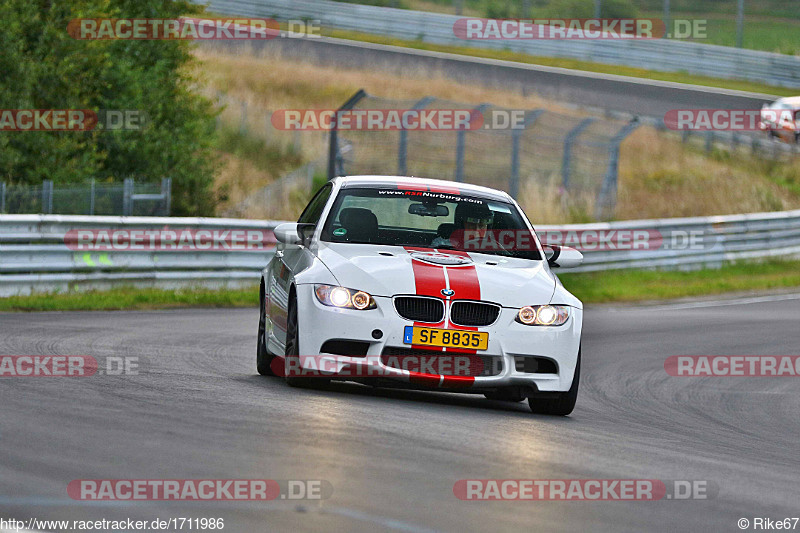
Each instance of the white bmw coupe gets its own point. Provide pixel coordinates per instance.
(420, 283)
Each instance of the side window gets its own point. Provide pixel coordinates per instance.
(313, 210)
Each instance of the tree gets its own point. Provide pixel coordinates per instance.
(43, 67)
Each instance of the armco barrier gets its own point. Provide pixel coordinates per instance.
(38, 252)
(661, 54)
(41, 253)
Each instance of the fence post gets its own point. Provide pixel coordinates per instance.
(569, 139)
(402, 149)
(333, 146)
(461, 143)
(127, 197)
(608, 191)
(47, 197)
(91, 198)
(2, 197)
(516, 135)
(166, 192)
(709, 140)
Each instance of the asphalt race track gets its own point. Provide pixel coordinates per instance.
(197, 409)
(635, 96)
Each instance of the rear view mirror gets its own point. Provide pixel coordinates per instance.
(428, 210)
(562, 256)
(291, 233)
(287, 233)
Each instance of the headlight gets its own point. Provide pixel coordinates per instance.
(543, 315)
(342, 297)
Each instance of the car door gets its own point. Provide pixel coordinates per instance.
(290, 259)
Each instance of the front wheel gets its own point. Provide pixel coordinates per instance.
(293, 352)
(263, 357)
(564, 402)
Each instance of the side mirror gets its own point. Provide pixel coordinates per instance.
(287, 233)
(562, 256)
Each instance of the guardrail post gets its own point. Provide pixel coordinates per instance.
(91, 197)
(335, 166)
(402, 148)
(2, 197)
(516, 135)
(569, 140)
(47, 197)
(461, 143)
(166, 192)
(127, 197)
(607, 199)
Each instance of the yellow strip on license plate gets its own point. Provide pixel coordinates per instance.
(446, 338)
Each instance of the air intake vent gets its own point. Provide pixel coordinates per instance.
(473, 313)
(443, 363)
(420, 309)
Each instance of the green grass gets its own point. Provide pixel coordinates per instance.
(768, 34)
(591, 287)
(265, 156)
(640, 285)
(132, 298)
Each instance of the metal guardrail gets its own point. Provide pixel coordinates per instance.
(660, 54)
(35, 255)
(38, 253)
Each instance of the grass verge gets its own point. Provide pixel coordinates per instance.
(641, 285)
(591, 287)
(131, 298)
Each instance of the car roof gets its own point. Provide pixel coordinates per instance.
(425, 184)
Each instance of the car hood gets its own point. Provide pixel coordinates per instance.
(391, 270)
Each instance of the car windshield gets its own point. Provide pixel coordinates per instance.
(429, 220)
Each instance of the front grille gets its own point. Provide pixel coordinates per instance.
(420, 309)
(465, 313)
(443, 363)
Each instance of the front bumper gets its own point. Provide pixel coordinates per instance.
(509, 341)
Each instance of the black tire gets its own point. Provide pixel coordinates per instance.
(293, 350)
(263, 357)
(564, 402)
(505, 395)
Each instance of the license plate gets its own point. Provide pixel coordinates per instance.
(446, 338)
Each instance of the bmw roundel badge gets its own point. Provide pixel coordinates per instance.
(448, 292)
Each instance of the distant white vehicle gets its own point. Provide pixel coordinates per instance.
(379, 279)
(781, 119)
